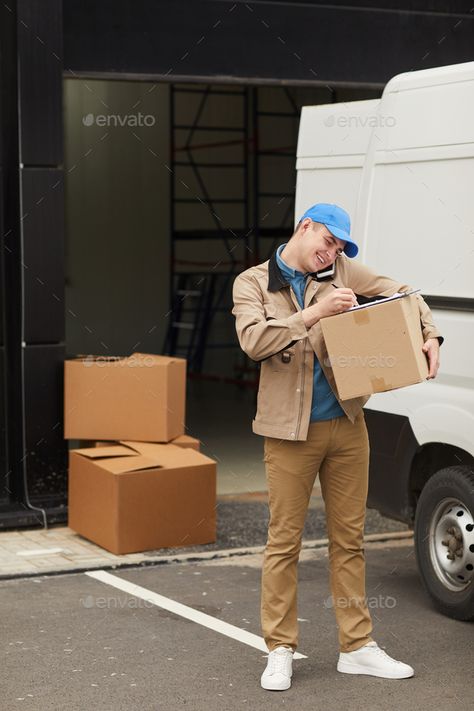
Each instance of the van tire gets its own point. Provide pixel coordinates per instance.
(443, 528)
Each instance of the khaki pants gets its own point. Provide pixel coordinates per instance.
(339, 450)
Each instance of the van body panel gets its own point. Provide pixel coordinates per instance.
(332, 144)
(406, 179)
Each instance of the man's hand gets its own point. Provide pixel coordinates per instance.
(337, 301)
(431, 350)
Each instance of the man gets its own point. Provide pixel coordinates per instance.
(307, 429)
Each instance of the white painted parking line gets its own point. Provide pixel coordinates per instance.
(201, 618)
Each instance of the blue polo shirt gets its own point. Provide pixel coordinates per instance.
(324, 405)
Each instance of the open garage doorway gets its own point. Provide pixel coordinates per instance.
(172, 190)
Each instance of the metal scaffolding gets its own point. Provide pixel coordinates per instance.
(200, 289)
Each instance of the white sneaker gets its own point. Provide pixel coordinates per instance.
(277, 675)
(372, 660)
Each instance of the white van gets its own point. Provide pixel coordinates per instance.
(403, 167)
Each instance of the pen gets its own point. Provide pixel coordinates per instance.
(340, 287)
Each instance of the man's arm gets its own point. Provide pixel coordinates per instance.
(367, 282)
(260, 338)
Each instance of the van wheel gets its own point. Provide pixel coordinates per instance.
(444, 540)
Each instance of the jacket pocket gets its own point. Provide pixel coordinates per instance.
(277, 398)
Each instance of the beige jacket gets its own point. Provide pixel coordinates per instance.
(271, 330)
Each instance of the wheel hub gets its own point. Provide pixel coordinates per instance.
(452, 544)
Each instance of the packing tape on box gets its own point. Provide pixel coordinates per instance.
(379, 385)
(361, 317)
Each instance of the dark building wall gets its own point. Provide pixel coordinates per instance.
(279, 41)
(34, 471)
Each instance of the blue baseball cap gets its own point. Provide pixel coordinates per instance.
(337, 221)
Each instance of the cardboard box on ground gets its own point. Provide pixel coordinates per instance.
(376, 348)
(137, 496)
(128, 493)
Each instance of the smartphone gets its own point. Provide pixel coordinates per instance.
(326, 273)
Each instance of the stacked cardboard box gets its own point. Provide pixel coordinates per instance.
(140, 483)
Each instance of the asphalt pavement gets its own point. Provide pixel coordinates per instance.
(73, 641)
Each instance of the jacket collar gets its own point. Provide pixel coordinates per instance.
(277, 281)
